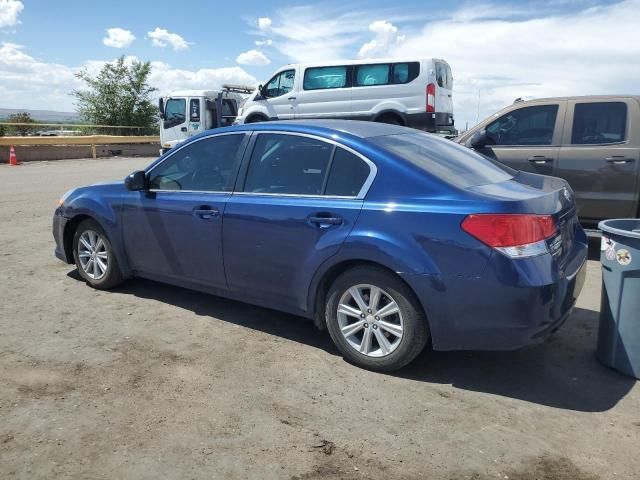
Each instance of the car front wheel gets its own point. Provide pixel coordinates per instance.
(94, 257)
(375, 320)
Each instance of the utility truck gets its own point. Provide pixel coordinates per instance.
(189, 112)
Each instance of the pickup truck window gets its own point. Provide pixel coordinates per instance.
(524, 126)
(600, 122)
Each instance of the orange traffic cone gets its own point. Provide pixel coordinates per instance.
(12, 156)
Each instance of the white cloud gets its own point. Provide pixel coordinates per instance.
(542, 56)
(253, 57)
(308, 34)
(30, 83)
(9, 11)
(264, 43)
(264, 23)
(118, 38)
(386, 37)
(160, 37)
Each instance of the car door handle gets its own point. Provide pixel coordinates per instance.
(291, 98)
(619, 160)
(540, 159)
(183, 129)
(325, 222)
(205, 212)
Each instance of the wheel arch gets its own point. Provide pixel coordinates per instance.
(390, 113)
(322, 282)
(257, 117)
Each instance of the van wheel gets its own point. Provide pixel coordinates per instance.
(255, 119)
(390, 119)
(375, 320)
(94, 256)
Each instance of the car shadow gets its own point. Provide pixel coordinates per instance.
(562, 372)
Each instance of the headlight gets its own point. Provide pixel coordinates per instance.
(65, 196)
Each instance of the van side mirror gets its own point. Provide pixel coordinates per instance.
(161, 107)
(260, 95)
(479, 139)
(136, 181)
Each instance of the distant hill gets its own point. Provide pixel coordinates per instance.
(44, 116)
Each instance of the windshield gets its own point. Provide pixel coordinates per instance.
(444, 159)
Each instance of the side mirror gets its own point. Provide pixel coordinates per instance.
(479, 139)
(161, 107)
(136, 181)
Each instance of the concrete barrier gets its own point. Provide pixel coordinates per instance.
(29, 149)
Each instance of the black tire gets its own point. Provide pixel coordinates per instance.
(112, 276)
(390, 119)
(256, 119)
(415, 330)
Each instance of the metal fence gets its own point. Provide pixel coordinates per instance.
(71, 129)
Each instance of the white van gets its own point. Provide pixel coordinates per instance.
(415, 93)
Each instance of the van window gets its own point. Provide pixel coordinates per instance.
(367, 75)
(444, 159)
(443, 75)
(280, 84)
(405, 72)
(348, 174)
(602, 122)
(524, 126)
(194, 110)
(175, 112)
(321, 78)
(288, 164)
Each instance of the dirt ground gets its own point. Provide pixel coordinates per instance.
(152, 381)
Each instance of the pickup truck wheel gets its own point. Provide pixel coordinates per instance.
(375, 320)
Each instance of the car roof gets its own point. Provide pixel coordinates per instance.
(580, 97)
(355, 128)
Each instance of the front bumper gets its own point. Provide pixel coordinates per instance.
(514, 303)
(59, 224)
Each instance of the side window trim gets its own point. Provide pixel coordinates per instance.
(239, 158)
(248, 151)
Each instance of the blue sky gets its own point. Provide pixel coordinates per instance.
(497, 50)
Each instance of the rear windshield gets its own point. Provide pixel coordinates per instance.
(444, 159)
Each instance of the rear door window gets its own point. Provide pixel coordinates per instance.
(322, 78)
(524, 126)
(288, 164)
(600, 122)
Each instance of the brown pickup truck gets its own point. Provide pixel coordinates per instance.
(592, 142)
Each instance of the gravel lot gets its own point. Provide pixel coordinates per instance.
(152, 381)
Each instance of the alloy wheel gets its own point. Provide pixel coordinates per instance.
(93, 255)
(370, 320)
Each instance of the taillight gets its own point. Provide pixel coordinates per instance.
(431, 97)
(516, 235)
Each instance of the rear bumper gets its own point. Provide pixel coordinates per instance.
(514, 303)
(59, 224)
(431, 122)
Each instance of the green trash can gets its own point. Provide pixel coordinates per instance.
(619, 333)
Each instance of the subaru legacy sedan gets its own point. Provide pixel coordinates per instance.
(387, 237)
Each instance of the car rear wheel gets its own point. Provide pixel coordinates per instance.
(94, 257)
(375, 320)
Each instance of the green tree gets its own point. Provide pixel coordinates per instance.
(21, 117)
(119, 95)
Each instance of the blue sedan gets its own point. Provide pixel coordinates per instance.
(387, 237)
